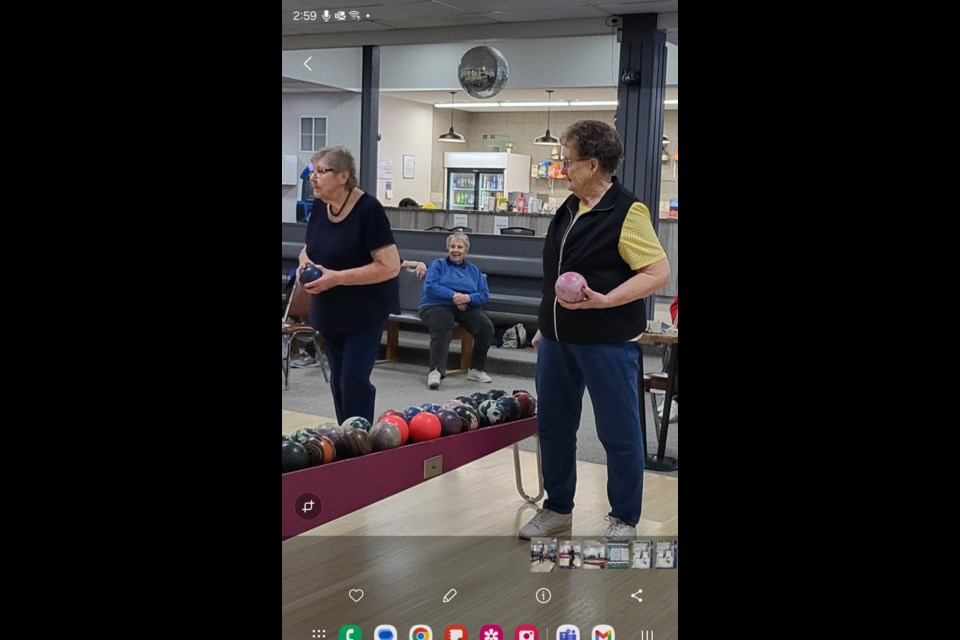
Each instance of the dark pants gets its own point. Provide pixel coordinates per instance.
(351, 357)
(609, 372)
(441, 321)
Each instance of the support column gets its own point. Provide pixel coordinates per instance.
(369, 119)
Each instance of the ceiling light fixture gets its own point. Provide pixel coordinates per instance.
(451, 136)
(547, 139)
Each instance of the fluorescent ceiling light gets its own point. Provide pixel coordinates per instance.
(593, 103)
(559, 103)
(670, 101)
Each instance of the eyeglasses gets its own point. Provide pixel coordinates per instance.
(320, 172)
(566, 162)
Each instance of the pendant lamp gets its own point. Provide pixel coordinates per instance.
(547, 139)
(451, 136)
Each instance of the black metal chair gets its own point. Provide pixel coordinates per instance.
(517, 231)
(436, 229)
(461, 229)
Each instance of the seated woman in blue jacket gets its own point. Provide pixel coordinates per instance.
(454, 292)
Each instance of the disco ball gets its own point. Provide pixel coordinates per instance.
(483, 72)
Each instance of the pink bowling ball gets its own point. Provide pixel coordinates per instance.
(569, 287)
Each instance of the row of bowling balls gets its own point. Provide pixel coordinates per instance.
(328, 442)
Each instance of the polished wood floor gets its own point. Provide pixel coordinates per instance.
(459, 531)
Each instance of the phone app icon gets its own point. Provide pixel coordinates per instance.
(385, 632)
(603, 632)
(526, 632)
(350, 632)
(491, 632)
(421, 632)
(455, 632)
(568, 632)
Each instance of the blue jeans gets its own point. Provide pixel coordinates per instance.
(610, 372)
(351, 357)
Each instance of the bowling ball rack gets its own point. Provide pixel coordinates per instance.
(317, 495)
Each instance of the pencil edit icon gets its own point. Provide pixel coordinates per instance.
(450, 595)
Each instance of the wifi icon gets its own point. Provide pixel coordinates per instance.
(355, 15)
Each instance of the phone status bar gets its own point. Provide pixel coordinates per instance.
(326, 15)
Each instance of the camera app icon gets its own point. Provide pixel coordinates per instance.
(526, 632)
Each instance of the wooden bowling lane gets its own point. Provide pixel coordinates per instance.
(293, 420)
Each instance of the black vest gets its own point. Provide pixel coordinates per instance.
(589, 246)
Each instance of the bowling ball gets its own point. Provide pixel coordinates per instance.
(425, 426)
(450, 422)
(569, 287)
(286, 438)
(335, 434)
(468, 417)
(356, 422)
(516, 391)
(309, 273)
(357, 442)
(468, 400)
(410, 412)
(479, 397)
(391, 412)
(490, 412)
(301, 434)
(320, 450)
(294, 457)
(450, 404)
(510, 408)
(528, 404)
(493, 394)
(385, 435)
(401, 424)
(430, 407)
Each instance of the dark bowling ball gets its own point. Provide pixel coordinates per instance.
(528, 404)
(335, 433)
(286, 438)
(468, 417)
(357, 422)
(510, 408)
(490, 412)
(479, 397)
(431, 407)
(410, 412)
(309, 273)
(468, 400)
(301, 435)
(320, 450)
(385, 435)
(516, 391)
(450, 404)
(450, 422)
(357, 442)
(294, 457)
(496, 393)
(391, 412)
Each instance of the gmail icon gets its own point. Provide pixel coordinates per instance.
(603, 632)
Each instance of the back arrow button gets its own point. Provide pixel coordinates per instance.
(306, 61)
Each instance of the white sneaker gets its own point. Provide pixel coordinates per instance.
(618, 530)
(674, 410)
(433, 379)
(478, 376)
(546, 523)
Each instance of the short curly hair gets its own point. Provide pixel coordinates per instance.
(596, 139)
(339, 159)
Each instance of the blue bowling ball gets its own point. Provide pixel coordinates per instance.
(309, 273)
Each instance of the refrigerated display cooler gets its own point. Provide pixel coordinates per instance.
(473, 179)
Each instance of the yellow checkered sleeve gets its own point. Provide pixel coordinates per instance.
(639, 244)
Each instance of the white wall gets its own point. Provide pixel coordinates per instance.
(342, 111)
(405, 127)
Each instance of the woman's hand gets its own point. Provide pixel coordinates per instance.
(461, 298)
(420, 269)
(328, 280)
(593, 300)
(536, 340)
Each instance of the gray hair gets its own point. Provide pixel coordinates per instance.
(595, 139)
(459, 236)
(340, 159)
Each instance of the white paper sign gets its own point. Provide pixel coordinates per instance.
(459, 219)
(499, 222)
(385, 169)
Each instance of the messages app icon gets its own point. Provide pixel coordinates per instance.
(385, 632)
(603, 632)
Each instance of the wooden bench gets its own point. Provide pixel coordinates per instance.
(410, 289)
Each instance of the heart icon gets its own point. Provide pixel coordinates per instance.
(356, 594)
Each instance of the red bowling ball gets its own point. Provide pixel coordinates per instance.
(424, 426)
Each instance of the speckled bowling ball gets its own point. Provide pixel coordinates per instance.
(528, 404)
(301, 435)
(431, 407)
(320, 450)
(385, 435)
(479, 397)
(468, 400)
(450, 404)
(294, 457)
(410, 412)
(496, 393)
(356, 422)
(335, 434)
(510, 408)
(490, 413)
(357, 442)
(468, 417)
(401, 424)
(450, 422)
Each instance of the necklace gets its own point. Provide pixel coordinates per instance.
(340, 210)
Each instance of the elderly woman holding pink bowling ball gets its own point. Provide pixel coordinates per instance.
(587, 338)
